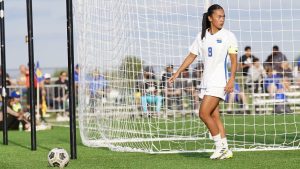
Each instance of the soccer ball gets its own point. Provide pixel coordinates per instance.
(58, 157)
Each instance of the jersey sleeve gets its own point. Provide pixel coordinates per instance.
(195, 48)
(233, 45)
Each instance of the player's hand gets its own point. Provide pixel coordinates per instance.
(173, 78)
(229, 86)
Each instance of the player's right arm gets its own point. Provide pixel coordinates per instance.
(186, 63)
(194, 51)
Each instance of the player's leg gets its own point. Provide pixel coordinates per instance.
(217, 119)
(208, 105)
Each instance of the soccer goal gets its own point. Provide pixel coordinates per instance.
(127, 49)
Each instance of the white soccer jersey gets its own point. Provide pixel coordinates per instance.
(214, 50)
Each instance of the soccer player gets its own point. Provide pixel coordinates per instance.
(214, 44)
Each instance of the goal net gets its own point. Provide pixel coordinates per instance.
(127, 49)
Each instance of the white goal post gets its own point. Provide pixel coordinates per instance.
(126, 50)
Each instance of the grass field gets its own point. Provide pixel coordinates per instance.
(18, 155)
(243, 131)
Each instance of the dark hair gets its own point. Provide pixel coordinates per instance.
(205, 21)
(255, 59)
(275, 47)
(247, 48)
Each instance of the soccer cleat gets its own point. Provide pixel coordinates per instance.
(219, 152)
(227, 155)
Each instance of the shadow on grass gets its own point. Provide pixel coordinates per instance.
(196, 155)
(18, 144)
(28, 147)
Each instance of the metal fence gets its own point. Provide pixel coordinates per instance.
(54, 96)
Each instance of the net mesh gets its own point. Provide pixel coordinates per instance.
(127, 49)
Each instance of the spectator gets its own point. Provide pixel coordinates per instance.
(98, 85)
(275, 59)
(138, 89)
(47, 94)
(8, 80)
(76, 80)
(172, 92)
(60, 95)
(296, 73)
(190, 90)
(76, 73)
(246, 61)
(287, 74)
(15, 102)
(14, 117)
(150, 91)
(35, 85)
(47, 79)
(21, 80)
(237, 96)
(281, 107)
(255, 75)
(274, 85)
(271, 81)
(98, 89)
(166, 75)
(197, 74)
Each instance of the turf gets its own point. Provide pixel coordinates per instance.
(18, 155)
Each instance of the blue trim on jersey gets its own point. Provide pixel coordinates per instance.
(225, 67)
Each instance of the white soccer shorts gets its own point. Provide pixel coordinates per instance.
(217, 92)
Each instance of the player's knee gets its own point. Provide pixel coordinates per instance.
(215, 116)
(203, 116)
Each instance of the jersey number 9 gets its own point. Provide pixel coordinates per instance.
(209, 51)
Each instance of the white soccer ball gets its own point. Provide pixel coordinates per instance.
(58, 157)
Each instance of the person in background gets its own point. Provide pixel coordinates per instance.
(76, 80)
(296, 73)
(76, 73)
(9, 82)
(15, 114)
(150, 92)
(256, 73)
(47, 94)
(197, 75)
(272, 81)
(237, 96)
(275, 59)
(61, 95)
(172, 92)
(246, 61)
(21, 80)
(287, 75)
(97, 89)
(187, 85)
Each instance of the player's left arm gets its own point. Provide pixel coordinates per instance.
(232, 52)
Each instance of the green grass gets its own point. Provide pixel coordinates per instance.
(274, 130)
(18, 155)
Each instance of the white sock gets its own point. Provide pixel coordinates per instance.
(217, 139)
(224, 141)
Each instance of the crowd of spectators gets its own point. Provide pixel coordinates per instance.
(52, 94)
(275, 75)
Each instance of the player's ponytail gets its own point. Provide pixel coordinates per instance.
(205, 20)
(205, 24)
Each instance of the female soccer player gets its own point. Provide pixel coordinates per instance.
(214, 44)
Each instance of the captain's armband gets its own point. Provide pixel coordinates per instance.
(233, 50)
